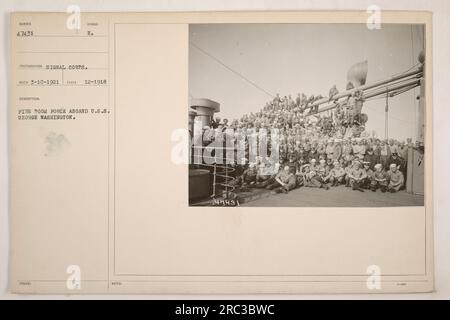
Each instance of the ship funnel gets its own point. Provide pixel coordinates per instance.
(357, 74)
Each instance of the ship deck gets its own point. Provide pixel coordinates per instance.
(334, 197)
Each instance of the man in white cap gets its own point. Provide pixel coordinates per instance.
(357, 176)
(395, 178)
(379, 179)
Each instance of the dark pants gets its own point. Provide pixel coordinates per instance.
(356, 185)
(336, 180)
(365, 183)
(299, 181)
(394, 188)
(314, 183)
(262, 183)
(374, 185)
(384, 160)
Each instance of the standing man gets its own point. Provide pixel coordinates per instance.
(215, 123)
(359, 100)
(393, 146)
(298, 100)
(330, 149)
(337, 152)
(347, 152)
(371, 158)
(385, 154)
(403, 151)
(225, 124)
(400, 162)
(359, 150)
(277, 98)
(333, 91)
(321, 149)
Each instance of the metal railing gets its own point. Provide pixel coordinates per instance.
(222, 181)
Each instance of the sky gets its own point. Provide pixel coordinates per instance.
(309, 58)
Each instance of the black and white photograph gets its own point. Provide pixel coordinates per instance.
(306, 115)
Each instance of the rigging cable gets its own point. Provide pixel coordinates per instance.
(230, 69)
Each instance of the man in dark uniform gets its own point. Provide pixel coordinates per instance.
(284, 181)
(371, 158)
(215, 123)
(249, 175)
(369, 175)
(399, 161)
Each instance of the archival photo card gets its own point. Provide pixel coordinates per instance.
(310, 115)
(221, 152)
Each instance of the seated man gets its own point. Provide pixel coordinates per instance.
(284, 181)
(249, 175)
(401, 164)
(369, 174)
(336, 175)
(313, 166)
(266, 175)
(322, 171)
(347, 169)
(299, 172)
(238, 173)
(292, 162)
(379, 179)
(311, 178)
(357, 176)
(395, 178)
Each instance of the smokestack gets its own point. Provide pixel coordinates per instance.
(205, 109)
